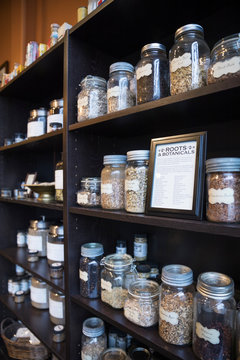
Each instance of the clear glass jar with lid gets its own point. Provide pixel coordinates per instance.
(136, 177)
(152, 73)
(37, 235)
(92, 99)
(89, 270)
(142, 304)
(223, 189)
(39, 294)
(143, 271)
(214, 317)
(113, 279)
(55, 244)
(121, 89)
(112, 182)
(89, 194)
(176, 304)
(114, 353)
(37, 123)
(94, 340)
(189, 59)
(57, 307)
(225, 59)
(59, 180)
(55, 114)
(140, 247)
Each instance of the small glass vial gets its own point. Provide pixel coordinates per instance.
(21, 238)
(92, 99)
(32, 256)
(89, 195)
(56, 270)
(58, 333)
(121, 90)
(94, 340)
(55, 244)
(114, 353)
(57, 307)
(59, 181)
(140, 247)
(189, 59)
(112, 182)
(37, 123)
(39, 294)
(152, 73)
(89, 270)
(19, 270)
(176, 305)
(143, 271)
(121, 247)
(214, 317)
(54, 34)
(136, 177)
(19, 297)
(37, 236)
(55, 114)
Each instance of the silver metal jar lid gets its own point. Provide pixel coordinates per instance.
(114, 159)
(41, 224)
(144, 289)
(92, 250)
(138, 155)
(215, 285)
(121, 66)
(93, 327)
(90, 181)
(56, 265)
(188, 27)
(225, 164)
(56, 230)
(56, 103)
(225, 41)
(90, 80)
(58, 329)
(153, 46)
(117, 262)
(177, 275)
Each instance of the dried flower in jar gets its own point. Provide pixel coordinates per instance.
(116, 297)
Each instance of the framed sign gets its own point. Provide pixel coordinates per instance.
(176, 176)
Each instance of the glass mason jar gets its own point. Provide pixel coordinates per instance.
(189, 59)
(55, 244)
(143, 271)
(112, 182)
(140, 247)
(57, 307)
(225, 59)
(39, 294)
(59, 180)
(37, 236)
(89, 195)
(94, 340)
(176, 304)
(121, 247)
(37, 123)
(142, 304)
(121, 89)
(92, 99)
(214, 317)
(89, 270)
(223, 189)
(152, 73)
(113, 279)
(139, 352)
(55, 114)
(136, 177)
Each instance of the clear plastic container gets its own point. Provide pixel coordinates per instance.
(223, 189)
(38, 235)
(136, 177)
(142, 304)
(57, 307)
(55, 244)
(176, 305)
(121, 89)
(152, 73)
(214, 317)
(92, 99)
(112, 182)
(39, 294)
(89, 195)
(94, 340)
(189, 59)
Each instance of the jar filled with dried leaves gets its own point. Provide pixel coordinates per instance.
(214, 317)
(112, 182)
(94, 340)
(121, 89)
(136, 177)
(189, 59)
(142, 304)
(176, 304)
(113, 279)
(238, 331)
(225, 59)
(223, 189)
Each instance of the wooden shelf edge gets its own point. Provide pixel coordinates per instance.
(32, 202)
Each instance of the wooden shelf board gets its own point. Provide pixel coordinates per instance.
(33, 202)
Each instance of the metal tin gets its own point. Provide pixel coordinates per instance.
(58, 333)
(177, 275)
(215, 285)
(56, 270)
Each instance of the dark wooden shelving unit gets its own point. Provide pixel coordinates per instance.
(33, 202)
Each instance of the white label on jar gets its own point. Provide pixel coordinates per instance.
(35, 242)
(82, 199)
(145, 70)
(106, 285)
(59, 179)
(229, 66)
(180, 61)
(106, 189)
(132, 185)
(82, 101)
(38, 295)
(56, 308)
(113, 92)
(83, 275)
(140, 250)
(168, 316)
(211, 335)
(55, 252)
(221, 196)
(21, 238)
(55, 118)
(35, 128)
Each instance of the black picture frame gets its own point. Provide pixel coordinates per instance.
(174, 155)
(4, 68)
